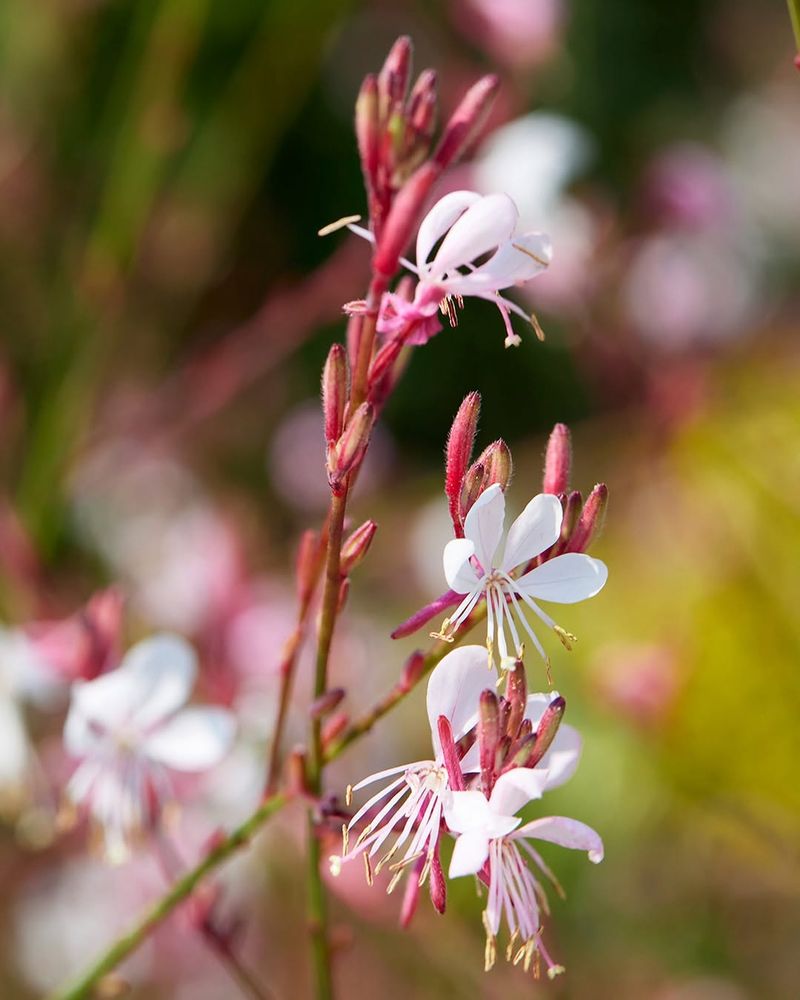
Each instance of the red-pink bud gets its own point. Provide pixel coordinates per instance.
(573, 504)
(422, 105)
(590, 523)
(438, 887)
(413, 670)
(334, 727)
(496, 460)
(516, 696)
(297, 772)
(334, 392)
(411, 894)
(351, 446)
(460, 442)
(394, 74)
(368, 127)
(450, 754)
(307, 564)
(558, 461)
(474, 485)
(466, 121)
(488, 736)
(403, 220)
(326, 703)
(547, 729)
(356, 547)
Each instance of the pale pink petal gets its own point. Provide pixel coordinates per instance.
(566, 579)
(565, 832)
(535, 530)
(483, 525)
(467, 811)
(517, 788)
(440, 218)
(518, 260)
(469, 854)
(454, 690)
(485, 225)
(193, 740)
(165, 668)
(458, 571)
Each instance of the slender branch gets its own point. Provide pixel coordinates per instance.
(82, 987)
(794, 14)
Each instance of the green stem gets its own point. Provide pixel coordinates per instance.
(794, 14)
(318, 917)
(83, 986)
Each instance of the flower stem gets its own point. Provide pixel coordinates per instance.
(794, 14)
(181, 890)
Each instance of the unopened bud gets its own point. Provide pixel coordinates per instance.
(368, 129)
(334, 392)
(351, 445)
(497, 462)
(413, 669)
(296, 772)
(474, 485)
(547, 728)
(411, 895)
(488, 735)
(466, 121)
(307, 564)
(438, 887)
(558, 461)
(344, 593)
(516, 696)
(326, 703)
(422, 105)
(572, 511)
(394, 74)
(450, 754)
(334, 727)
(523, 753)
(591, 521)
(460, 442)
(403, 220)
(356, 547)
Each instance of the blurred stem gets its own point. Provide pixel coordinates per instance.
(318, 916)
(794, 14)
(241, 836)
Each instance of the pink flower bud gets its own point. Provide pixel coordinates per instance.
(297, 773)
(334, 727)
(474, 485)
(516, 695)
(326, 703)
(450, 754)
(403, 221)
(422, 106)
(573, 504)
(357, 546)
(547, 729)
(368, 129)
(334, 392)
(351, 446)
(413, 669)
(498, 464)
(307, 564)
(433, 610)
(394, 75)
(591, 520)
(460, 442)
(466, 121)
(411, 894)
(488, 736)
(558, 461)
(438, 887)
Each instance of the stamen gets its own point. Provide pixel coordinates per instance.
(446, 633)
(555, 970)
(537, 327)
(335, 865)
(531, 254)
(367, 869)
(348, 796)
(490, 952)
(511, 943)
(393, 882)
(345, 837)
(567, 638)
(332, 227)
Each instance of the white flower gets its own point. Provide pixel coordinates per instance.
(472, 568)
(489, 831)
(480, 254)
(128, 727)
(419, 792)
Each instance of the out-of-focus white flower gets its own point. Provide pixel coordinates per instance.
(480, 254)
(128, 727)
(472, 567)
(24, 678)
(489, 831)
(417, 795)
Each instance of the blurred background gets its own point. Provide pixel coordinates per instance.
(165, 308)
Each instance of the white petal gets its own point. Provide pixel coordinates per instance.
(535, 530)
(467, 811)
(469, 854)
(471, 761)
(566, 579)
(516, 261)
(483, 525)
(440, 218)
(517, 788)
(454, 690)
(458, 571)
(165, 666)
(485, 225)
(193, 740)
(561, 760)
(566, 832)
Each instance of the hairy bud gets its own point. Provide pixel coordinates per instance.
(591, 521)
(466, 121)
(351, 446)
(309, 554)
(368, 129)
(497, 462)
(334, 392)
(403, 220)
(516, 696)
(394, 74)
(547, 729)
(488, 736)
(460, 442)
(326, 703)
(558, 461)
(413, 669)
(356, 547)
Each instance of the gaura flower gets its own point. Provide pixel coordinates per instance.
(417, 795)
(472, 568)
(479, 255)
(129, 727)
(489, 833)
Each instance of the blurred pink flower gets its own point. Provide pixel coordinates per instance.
(640, 682)
(518, 33)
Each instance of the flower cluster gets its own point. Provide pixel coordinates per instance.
(492, 755)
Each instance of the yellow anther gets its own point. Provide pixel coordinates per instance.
(567, 638)
(332, 227)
